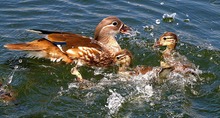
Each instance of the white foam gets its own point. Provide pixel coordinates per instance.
(133, 33)
(114, 102)
(169, 15)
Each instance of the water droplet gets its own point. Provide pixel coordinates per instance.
(186, 20)
(158, 21)
(199, 55)
(20, 60)
(152, 34)
(16, 67)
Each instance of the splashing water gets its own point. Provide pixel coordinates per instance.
(133, 33)
(148, 76)
(98, 71)
(10, 77)
(169, 17)
(148, 28)
(146, 90)
(114, 102)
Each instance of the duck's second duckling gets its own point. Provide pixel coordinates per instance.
(171, 58)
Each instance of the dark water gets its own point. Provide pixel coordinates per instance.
(46, 89)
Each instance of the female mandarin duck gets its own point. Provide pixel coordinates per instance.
(171, 58)
(69, 47)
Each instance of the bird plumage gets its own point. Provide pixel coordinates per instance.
(69, 47)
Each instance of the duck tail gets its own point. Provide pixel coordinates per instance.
(36, 45)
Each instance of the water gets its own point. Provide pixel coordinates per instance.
(46, 89)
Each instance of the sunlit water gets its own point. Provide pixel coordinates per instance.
(46, 89)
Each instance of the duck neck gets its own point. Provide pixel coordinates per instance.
(110, 43)
(170, 48)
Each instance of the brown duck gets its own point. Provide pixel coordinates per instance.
(69, 47)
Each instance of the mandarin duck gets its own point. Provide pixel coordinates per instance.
(171, 58)
(69, 47)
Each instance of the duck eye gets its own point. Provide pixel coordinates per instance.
(117, 58)
(114, 23)
(164, 38)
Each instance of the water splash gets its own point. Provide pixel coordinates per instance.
(98, 71)
(146, 90)
(10, 77)
(114, 102)
(148, 28)
(133, 33)
(169, 17)
(182, 80)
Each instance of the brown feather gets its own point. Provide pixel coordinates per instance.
(41, 48)
(73, 40)
(35, 45)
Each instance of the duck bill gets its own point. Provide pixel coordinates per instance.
(157, 44)
(125, 29)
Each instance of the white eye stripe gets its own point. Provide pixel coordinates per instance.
(111, 25)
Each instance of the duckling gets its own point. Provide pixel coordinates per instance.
(171, 58)
(123, 60)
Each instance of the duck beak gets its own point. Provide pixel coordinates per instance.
(125, 29)
(156, 44)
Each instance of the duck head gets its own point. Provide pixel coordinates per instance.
(107, 29)
(168, 39)
(123, 59)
